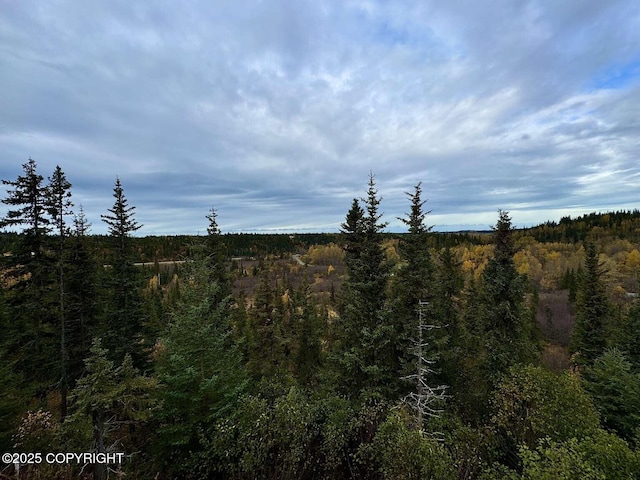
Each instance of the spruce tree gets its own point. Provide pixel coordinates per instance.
(31, 329)
(108, 405)
(217, 256)
(59, 206)
(414, 286)
(592, 312)
(630, 338)
(122, 321)
(81, 290)
(200, 366)
(446, 308)
(307, 325)
(508, 327)
(363, 351)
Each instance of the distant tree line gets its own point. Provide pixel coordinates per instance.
(621, 224)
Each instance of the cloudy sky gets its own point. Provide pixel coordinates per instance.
(275, 112)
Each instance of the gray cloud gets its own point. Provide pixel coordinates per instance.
(274, 113)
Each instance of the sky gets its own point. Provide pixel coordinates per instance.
(276, 112)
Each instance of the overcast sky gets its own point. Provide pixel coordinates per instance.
(275, 112)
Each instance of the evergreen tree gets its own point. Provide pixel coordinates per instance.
(363, 351)
(630, 338)
(508, 326)
(80, 302)
(121, 221)
(413, 286)
(266, 335)
(201, 368)
(122, 324)
(217, 252)
(307, 325)
(592, 312)
(59, 206)
(353, 232)
(446, 308)
(109, 404)
(449, 283)
(615, 390)
(30, 332)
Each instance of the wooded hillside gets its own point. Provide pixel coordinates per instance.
(361, 354)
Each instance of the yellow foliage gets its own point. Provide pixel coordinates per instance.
(330, 270)
(285, 298)
(619, 293)
(153, 282)
(325, 254)
(390, 250)
(468, 266)
(523, 268)
(633, 260)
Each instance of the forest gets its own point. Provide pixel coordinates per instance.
(509, 354)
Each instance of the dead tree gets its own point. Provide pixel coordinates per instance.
(425, 401)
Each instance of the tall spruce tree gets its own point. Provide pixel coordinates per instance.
(122, 322)
(508, 326)
(217, 255)
(59, 206)
(31, 328)
(592, 312)
(414, 286)
(363, 351)
(80, 302)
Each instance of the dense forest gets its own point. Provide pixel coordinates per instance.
(364, 354)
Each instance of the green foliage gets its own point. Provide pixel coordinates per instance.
(200, 368)
(592, 312)
(413, 284)
(615, 390)
(31, 327)
(508, 325)
(532, 403)
(14, 396)
(611, 455)
(81, 273)
(122, 308)
(399, 451)
(497, 327)
(554, 460)
(121, 221)
(109, 406)
(309, 327)
(277, 439)
(629, 340)
(446, 306)
(59, 207)
(619, 224)
(471, 448)
(216, 249)
(267, 333)
(363, 352)
(598, 456)
(29, 197)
